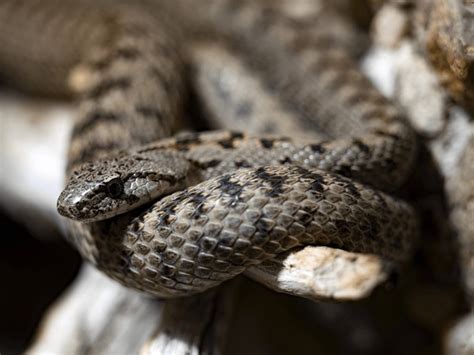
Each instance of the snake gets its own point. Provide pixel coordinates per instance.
(227, 201)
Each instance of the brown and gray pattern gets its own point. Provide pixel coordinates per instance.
(197, 238)
(129, 75)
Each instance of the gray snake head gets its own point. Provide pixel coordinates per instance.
(108, 187)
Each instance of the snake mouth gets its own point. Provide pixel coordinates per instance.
(71, 206)
(74, 206)
(85, 215)
(94, 207)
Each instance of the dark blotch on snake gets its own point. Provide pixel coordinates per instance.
(242, 164)
(123, 53)
(228, 186)
(236, 135)
(344, 170)
(91, 119)
(275, 181)
(148, 111)
(353, 190)
(226, 143)
(197, 200)
(168, 210)
(107, 86)
(285, 160)
(317, 148)
(317, 184)
(267, 143)
(206, 164)
(361, 145)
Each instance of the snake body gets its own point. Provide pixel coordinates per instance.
(129, 74)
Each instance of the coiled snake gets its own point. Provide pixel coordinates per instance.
(127, 68)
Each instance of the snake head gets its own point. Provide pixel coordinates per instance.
(111, 186)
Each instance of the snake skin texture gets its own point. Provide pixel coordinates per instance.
(128, 73)
(195, 239)
(107, 187)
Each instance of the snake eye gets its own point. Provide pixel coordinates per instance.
(114, 187)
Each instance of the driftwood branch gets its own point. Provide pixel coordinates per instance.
(324, 273)
(100, 316)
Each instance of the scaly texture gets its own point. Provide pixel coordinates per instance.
(197, 238)
(130, 81)
(227, 90)
(315, 77)
(117, 184)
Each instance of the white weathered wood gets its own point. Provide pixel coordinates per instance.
(460, 337)
(324, 273)
(97, 314)
(390, 25)
(418, 90)
(93, 314)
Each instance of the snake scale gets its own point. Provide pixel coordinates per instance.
(229, 200)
